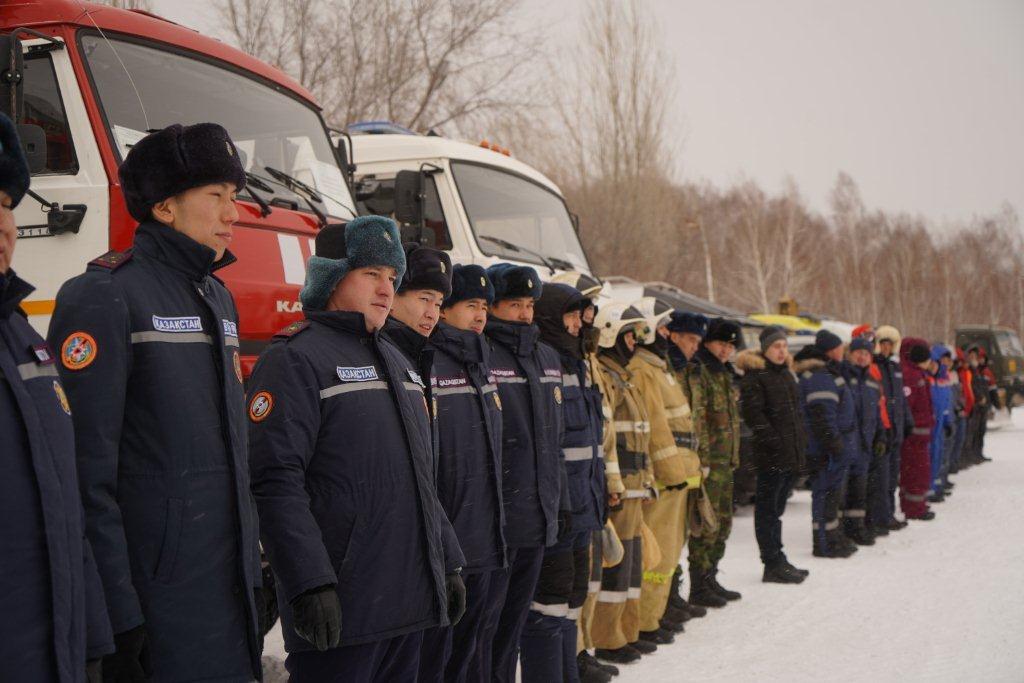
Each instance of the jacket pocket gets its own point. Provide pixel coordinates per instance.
(172, 538)
(345, 570)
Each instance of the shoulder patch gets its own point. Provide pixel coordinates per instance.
(260, 406)
(292, 330)
(78, 350)
(112, 260)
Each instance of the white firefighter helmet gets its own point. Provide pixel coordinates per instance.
(612, 319)
(656, 313)
(587, 285)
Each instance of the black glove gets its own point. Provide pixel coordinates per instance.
(130, 661)
(676, 487)
(316, 616)
(266, 602)
(564, 524)
(94, 671)
(456, 597)
(948, 431)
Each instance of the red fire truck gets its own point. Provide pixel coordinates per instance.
(85, 82)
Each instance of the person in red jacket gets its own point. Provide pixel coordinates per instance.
(915, 462)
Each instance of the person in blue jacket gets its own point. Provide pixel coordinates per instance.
(55, 625)
(887, 357)
(533, 480)
(870, 436)
(148, 347)
(549, 636)
(468, 417)
(942, 407)
(831, 421)
(364, 557)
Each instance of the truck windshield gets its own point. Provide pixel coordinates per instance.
(1009, 344)
(269, 127)
(503, 205)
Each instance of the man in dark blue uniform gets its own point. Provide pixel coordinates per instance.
(549, 637)
(148, 349)
(468, 417)
(364, 557)
(54, 617)
(533, 480)
(867, 394)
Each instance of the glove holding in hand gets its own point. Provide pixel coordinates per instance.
(130, 661)
(456, 597)
(316, 615)
(564, 524)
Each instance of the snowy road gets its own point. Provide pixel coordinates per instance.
(938, 601)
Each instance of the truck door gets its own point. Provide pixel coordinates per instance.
(73, 174)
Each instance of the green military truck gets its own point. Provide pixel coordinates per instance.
(1005, 357)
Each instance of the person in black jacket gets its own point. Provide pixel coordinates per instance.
(549, 636)
(771, 405)
(342, 469)
(533, 479)
(148, 347)
(55, 625)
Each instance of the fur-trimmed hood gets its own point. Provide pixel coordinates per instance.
(809, 359)
(753, 359)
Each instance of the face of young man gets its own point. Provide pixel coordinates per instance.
(470, 314)
(519, 310)
(721, 350)
(861, 358)
(8, 232)
(687, 342)
(573, 322)
(777, 352)
(369, 291)
(589, 311)
(206, 214)
(419, 309)
(885, 347)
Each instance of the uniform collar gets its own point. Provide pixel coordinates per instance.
(12, 291)
(520, 338)
(343, 321)
(177, 250)
(648, 356)
(465, 346)
(614, 366)
(709, 360)
(409, 340)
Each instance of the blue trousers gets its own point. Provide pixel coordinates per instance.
(498, 648)
(449, 654)
(894, 476)
(382, 661)
(826, 489)
(935, 451)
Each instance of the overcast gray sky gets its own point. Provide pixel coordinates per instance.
(921, 101)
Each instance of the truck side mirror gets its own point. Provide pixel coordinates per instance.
(409, 197)
(12, 74)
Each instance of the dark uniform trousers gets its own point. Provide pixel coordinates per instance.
(394, 659)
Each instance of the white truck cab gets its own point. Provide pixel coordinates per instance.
(476, 202)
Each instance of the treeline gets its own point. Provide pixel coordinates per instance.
(594, 112)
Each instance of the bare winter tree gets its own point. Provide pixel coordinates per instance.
(420, 63)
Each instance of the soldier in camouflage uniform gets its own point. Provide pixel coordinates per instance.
(676, 469)
(709, 386)
(616, 624)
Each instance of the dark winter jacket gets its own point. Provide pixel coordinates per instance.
(866, 394)
(829, 413)
(918, 393)
(468, 414)
(581, 444)
(771, 407)
(148, 343)
(342, 471)
(54, 616)
(533, 477)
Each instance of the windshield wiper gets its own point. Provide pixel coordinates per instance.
(296, 187)
(550, 261)
(253, 181)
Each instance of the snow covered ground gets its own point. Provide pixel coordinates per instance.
(938, 601)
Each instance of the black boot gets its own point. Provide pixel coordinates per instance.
(676, 615)
(701, 592)
(843, 545)
(658, 637)
(785, 561)
(592, 661)
(671, 626)
(644, 647)
(897, 525)
(675, 599)
(779, 572)
(855, 530)
(721, 590)
(620, 655)
(589, 671)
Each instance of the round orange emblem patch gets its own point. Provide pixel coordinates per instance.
(78, 351)
(260, 406)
